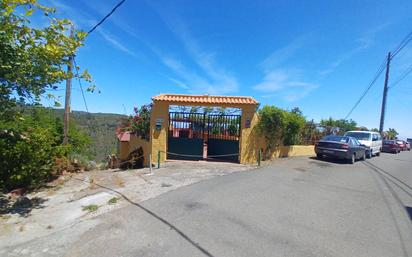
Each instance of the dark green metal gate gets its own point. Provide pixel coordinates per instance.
(223, 137)
(186, 136)
(191, 134)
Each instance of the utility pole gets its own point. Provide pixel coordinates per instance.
(385, 93)
(67, 98)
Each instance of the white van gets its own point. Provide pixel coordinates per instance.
(370, 139)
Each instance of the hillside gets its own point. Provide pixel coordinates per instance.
(101, 127)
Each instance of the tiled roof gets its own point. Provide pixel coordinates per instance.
(124, 136)
(205, 99)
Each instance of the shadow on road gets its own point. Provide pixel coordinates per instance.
(326, 161)
(167, 223)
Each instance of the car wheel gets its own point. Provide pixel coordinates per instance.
(352, 159)
(378, 153)
(319, 156)
(369, 154)
(363, 156)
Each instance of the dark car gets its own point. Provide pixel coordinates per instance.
(341, 147)
(402, 144)
(390, 146)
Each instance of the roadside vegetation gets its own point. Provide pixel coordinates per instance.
(282, 127)
(33, 62)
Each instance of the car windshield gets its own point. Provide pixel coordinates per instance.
(387, 142)
(359, 135)
(336, 139)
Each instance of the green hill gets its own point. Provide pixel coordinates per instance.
(101, 127)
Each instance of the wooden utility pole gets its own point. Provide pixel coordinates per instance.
(67, 99)
(385, 93)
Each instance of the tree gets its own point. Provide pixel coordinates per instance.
(338, 126)
(139, 123)
(33, 60)
(391, 133)
(294, 124)
(270, 125)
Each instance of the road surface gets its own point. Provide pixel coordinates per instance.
(293, 207)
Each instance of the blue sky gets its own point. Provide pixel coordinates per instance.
(317, 55)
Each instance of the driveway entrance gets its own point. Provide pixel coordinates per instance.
(197, 136)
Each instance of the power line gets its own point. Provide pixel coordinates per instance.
(402, 77)
(80, 84)
(375, 78)
(105, 17)
(402, 44)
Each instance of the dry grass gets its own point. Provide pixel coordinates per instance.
(118, 181)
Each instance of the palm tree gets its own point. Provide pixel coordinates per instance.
(391, 133)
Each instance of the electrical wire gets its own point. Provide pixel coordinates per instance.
(402, 77)
(80, 84)
(402, 44)
(105, 17)
(375, 78)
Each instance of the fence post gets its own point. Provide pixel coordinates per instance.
(158, 159)
(259, 156)
(150, 162)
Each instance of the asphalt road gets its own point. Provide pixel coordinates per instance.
(293, 207)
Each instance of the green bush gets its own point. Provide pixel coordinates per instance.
(294, 124)
(271, 124)
(31, 147)
(280, 126)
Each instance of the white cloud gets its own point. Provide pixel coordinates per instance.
(115, 42)
(179, 83)
(285, 84)
(207, 76)
(282, 55)
(364, 42)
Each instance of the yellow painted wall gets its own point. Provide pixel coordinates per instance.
(135, 142)
(160, 110)
(250, 140)
(294, 150)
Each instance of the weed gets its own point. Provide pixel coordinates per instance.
(113, 200)
(119, 182)
(90, 208)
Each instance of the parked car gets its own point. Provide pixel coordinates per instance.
(390, 146)
(342, 147)
(408, 146)
(370, 139)
(402, 144)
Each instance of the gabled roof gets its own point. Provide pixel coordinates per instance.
(123, 136)
(206, 99)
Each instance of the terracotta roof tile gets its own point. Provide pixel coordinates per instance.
(124, 136)
(205, 99)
